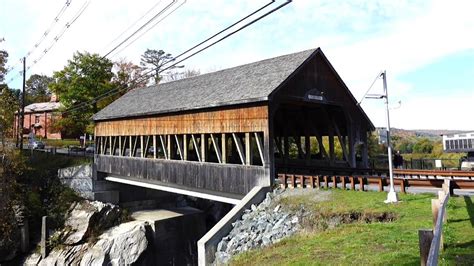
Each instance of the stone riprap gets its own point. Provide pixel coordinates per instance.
(260, 226)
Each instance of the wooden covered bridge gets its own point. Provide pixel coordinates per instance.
(220, 134)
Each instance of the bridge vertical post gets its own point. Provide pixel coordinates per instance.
(224, 148)
(203, 148)
(248, 149)
(168, 144)
(130, 153)
(155, 148)
(185, 147)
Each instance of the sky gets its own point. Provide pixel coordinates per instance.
(426, 47)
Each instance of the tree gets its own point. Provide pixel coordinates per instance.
(3, 63)
(78, 86)
(423, 145)
(37, 89)
(154, 60)
(128, 76)
(176, 75)
(8, 106)
(8, 101)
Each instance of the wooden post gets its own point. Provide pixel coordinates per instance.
(120, 145)
(334, 182)
(326, 182)
(282, 178)
(402, 186)
(351, 178)
(301, 184)
(240, 148)
(203, 148)
(130, 153)
(435, 204)
(343, 182)
(310, 178)
(185, 147)
(248, 149)
(307, 145)
(44, 237)
(380, 184)
(293, 182)
(447, 187)
(215, 144)
(142, 148)
(110, 144)
(224, 148)
(361, 183)
(425, 236)
(168, 146)
(155, 148)
(318, 182)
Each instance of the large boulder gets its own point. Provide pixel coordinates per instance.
(86, 217)
(121, 245)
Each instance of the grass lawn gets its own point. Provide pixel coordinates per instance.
(459, 232)
(361, 243)
(61, 142)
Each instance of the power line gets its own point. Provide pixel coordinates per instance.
(140, 28)
(56, 38)
(133, 24)
(145, 75)
(46, 32)
(172, 11)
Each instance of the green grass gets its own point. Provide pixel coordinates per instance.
(62, 142)
(362, 243)
(459, 232)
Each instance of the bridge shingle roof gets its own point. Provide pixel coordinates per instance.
(247, 83)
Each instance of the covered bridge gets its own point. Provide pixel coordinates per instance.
(220, 134)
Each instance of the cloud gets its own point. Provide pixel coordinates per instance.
(360, 38)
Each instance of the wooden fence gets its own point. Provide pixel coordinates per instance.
(431, 240)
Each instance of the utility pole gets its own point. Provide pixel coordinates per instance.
(392, 195)
(22, 105)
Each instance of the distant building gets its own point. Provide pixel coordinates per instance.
(460, 142)
(38, 119)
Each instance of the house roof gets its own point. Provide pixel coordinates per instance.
(247, 83)
(42, 107)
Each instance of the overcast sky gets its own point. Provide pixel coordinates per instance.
(426, 47)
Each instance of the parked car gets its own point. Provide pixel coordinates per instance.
(90, 148)
(36, 144)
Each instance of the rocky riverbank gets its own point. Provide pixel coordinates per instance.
(92, 236)
(263, 225)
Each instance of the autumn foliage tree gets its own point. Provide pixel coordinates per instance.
(79, 86)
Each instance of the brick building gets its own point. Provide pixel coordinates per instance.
(38, 119)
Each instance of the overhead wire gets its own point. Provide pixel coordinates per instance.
(141, 35)
(56, 38)
(141, 27)
(145, 77)
(46, 32)
(133, 24)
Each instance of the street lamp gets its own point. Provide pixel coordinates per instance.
(392, 195)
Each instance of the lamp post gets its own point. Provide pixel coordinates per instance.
(392, 195)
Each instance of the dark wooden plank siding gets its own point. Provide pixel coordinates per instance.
(226, 178)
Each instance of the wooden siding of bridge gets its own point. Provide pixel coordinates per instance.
(223, 178)
(243, 119)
